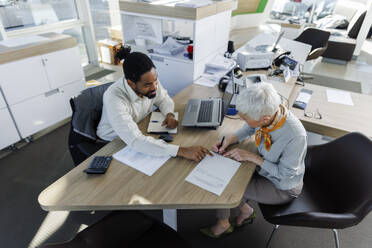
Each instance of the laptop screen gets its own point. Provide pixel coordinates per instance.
(226, 99)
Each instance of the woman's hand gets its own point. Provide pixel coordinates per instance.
(222, 148)
(244, 155)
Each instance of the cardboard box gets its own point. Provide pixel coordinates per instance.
(116, 34)
(107, 50)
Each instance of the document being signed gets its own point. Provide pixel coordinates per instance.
(213, 173)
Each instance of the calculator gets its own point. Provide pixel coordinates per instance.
(98, 165)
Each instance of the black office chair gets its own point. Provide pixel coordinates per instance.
(337, 187)
(86, 114)
(317, 38)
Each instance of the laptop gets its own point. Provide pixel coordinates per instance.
(207, 112)
(269, 48)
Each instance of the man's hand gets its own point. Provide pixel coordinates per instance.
(195, 153)
(222, 148)
(244, 155)
(170, 121)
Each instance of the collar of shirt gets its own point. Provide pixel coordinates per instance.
(133, 97)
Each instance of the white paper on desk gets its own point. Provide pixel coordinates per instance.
(213, 173)
(15, 42)
(156, 120)
(205, 82)
(339, 96)
(144, 163)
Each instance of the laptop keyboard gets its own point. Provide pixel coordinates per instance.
(205, 111)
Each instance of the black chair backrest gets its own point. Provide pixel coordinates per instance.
(314, 37)
(87, 111)
(343, 168)
(354, 30)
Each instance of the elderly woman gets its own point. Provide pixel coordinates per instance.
(281, 142)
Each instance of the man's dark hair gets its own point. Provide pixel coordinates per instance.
(135, 64)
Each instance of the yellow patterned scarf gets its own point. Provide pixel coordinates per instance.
(277, 123)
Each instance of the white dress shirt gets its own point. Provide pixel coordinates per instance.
(123, 109)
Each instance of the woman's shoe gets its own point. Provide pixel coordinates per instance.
(248, 220)
(208, 232)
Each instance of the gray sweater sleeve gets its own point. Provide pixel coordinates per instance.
(244, 132)
(290, 163)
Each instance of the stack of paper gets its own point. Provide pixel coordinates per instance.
(144, 163)
(215, 70)
(169, 47)
(213, 173)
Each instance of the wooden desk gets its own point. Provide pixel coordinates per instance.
(337, 119)
(125, 188)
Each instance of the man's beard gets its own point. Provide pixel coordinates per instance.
(149, 95)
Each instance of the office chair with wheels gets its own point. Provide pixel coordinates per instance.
(337, 187)
(86, 114)
(318, 39)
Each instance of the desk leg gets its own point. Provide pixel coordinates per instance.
(170, 218)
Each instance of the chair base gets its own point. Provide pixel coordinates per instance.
(276, 227)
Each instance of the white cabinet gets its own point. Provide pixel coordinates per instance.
(47, 109)
(2, 101)
(144, 25)
(38, 113)
(38, 88)
(8, 131)
(177, 76)
(23, 79)
(63, 67)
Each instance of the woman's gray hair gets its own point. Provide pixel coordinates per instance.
(258, 100)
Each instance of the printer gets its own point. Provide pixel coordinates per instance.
(248, 60)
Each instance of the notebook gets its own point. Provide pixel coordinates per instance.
(156, 120)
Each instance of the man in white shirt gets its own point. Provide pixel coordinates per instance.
(130, 99)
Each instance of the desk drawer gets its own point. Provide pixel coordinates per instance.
(39, 112)
(23, 79)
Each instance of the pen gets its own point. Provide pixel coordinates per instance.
(155, 121)
(223, 138)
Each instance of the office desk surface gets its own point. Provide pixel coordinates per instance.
(337, 119)
(125, 188)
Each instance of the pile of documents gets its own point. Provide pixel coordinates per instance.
(170, 47)
(215, 70)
